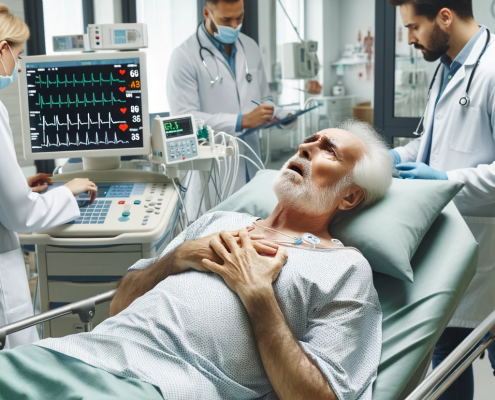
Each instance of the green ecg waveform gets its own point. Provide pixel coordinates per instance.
(39, 81)
(42, 103)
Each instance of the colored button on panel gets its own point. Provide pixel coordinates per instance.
(124, 219)
(137, 201)
(126, 213)
(121, 202)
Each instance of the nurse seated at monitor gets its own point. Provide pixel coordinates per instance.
(22, 208)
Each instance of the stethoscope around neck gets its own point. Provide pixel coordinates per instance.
(249, 76)
(465, 100)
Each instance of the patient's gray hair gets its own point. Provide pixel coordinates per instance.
(373, 172)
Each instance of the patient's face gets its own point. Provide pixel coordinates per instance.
(317, 176)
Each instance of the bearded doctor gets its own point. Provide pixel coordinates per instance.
(458, 144)
(22, 207)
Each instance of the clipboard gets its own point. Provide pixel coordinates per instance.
(278, 124)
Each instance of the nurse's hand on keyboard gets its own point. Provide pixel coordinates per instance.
(83, 185)
(40, 182)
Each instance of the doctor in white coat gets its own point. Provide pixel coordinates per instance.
(22, 209)
(217, 73)
(458, 144)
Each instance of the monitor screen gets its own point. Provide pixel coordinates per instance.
(85, 104)
(177, 128)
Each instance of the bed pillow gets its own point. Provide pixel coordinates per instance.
(388, 233)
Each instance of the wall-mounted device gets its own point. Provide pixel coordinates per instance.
(68, 43)
(117, 36)
(174, 139)
(299, 60)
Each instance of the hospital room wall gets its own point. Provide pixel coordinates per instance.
(334, 24)
(10, 98)
(355, 16)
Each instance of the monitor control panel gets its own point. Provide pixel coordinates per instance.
(174, 139)
(120, 208)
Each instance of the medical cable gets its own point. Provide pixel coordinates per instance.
(251, 161)
(267, 149)
(182, 202)
(180, 198)
(252, 151)
(297, 241)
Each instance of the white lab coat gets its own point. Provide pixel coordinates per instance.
(190, 91)
(464, 146)
(22, 211)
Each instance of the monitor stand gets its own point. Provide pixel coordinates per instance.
(101, 163)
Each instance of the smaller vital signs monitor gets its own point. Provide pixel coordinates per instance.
(84, 105)
(174, 139)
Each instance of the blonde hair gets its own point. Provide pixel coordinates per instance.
(12, 28)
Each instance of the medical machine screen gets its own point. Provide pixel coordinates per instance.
(177, 128)
(85, 105)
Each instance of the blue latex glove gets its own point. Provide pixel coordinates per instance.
(397, 159)
(417, 170)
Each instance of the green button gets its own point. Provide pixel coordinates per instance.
(450, 76)
(137, 201)
(126, 213)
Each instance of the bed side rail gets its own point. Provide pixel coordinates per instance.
(437, 382)
(84, 308)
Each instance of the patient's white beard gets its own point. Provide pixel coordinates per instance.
(305, 195)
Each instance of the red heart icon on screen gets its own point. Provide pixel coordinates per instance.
(122, 89)
(122, 71)
(123, 110)
(123, 127)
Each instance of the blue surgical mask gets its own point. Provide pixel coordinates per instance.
(6, 80)
(226, 34)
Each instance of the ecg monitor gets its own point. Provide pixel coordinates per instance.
(84, 105)
(174, 139)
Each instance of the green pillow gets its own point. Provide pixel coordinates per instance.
(387, 233)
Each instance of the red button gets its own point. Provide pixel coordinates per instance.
(121, 202)
(183, 158)
(97, 37)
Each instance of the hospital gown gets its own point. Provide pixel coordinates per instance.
(190, 336)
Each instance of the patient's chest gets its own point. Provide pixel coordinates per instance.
(195, 316)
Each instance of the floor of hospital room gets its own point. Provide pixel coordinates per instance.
(484, 381)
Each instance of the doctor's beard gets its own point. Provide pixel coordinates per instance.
(437, 46)
(304, 194)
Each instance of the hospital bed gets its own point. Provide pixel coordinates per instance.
(414, 314)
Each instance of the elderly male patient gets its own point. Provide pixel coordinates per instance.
(238, 307)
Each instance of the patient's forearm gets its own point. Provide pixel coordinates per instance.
(137, 283)
(292, 373)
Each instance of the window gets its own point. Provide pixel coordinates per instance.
(170, 23)
(105, 12)
(291, 93)
(61, 18)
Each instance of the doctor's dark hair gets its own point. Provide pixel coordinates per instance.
(431, 8)
(373, 172)
(215, 2)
